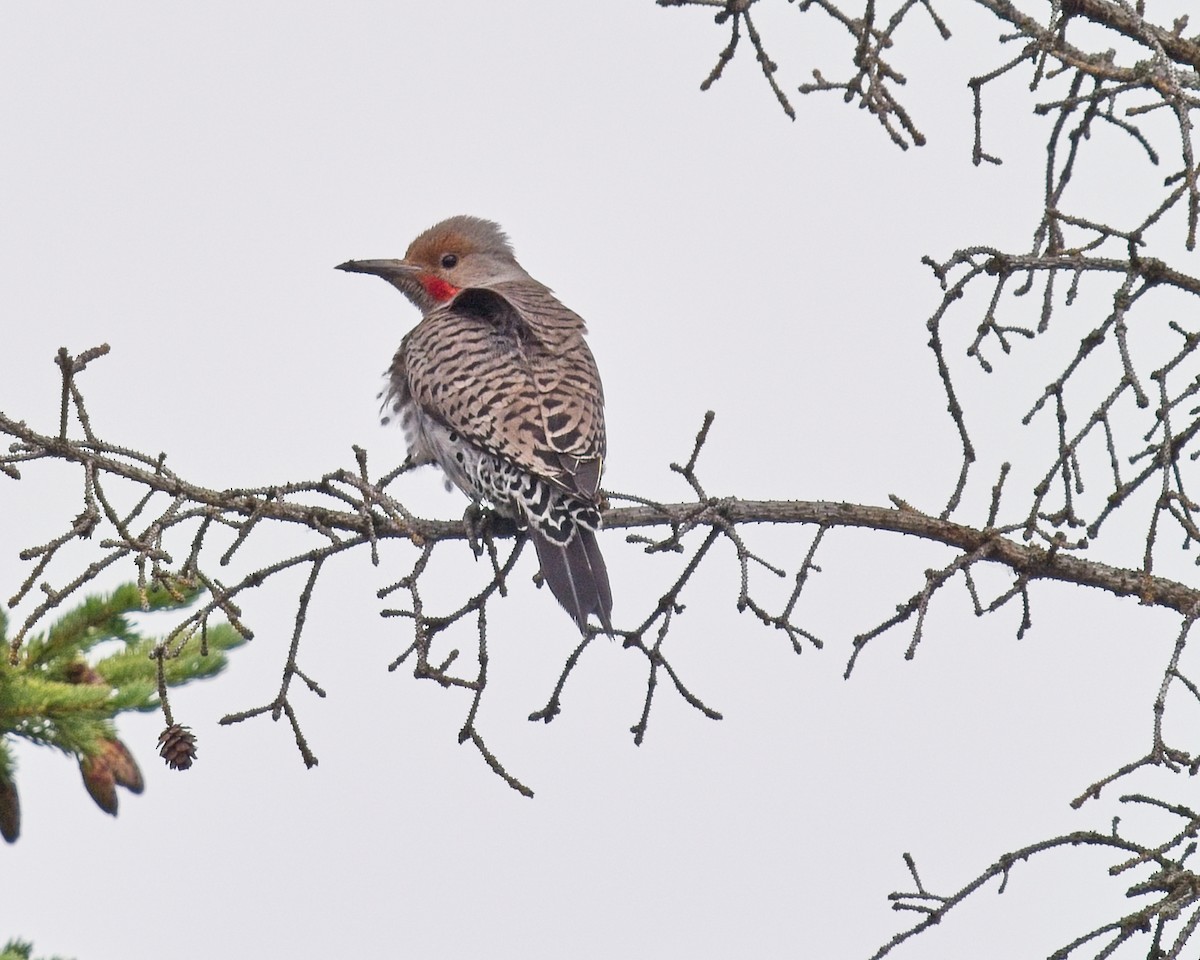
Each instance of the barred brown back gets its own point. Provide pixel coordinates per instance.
(508, 368)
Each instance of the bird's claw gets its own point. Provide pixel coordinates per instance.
(481, 524)
(475, 525)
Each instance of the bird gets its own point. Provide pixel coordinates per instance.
(497, 386)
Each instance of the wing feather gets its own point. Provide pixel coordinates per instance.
(514, 378)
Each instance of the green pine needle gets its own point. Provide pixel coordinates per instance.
(66, 691)
(19, 950)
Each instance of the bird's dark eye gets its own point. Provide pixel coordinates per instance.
(449, 260)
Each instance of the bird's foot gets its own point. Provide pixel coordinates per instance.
(482, 524)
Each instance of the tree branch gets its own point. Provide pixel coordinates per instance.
(1030, 561)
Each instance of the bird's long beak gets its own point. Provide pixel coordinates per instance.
(391, 270)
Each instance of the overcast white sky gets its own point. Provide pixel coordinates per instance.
(179, 180)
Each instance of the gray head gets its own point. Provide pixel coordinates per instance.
(456, 253)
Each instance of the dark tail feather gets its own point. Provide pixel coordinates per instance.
(595, 562)
(576, 576)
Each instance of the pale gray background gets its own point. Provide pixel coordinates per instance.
(180, 179)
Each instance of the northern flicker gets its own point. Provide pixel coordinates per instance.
(496, 385)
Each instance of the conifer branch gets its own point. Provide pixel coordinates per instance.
(58, 693)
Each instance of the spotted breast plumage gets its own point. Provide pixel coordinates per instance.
(496, 384)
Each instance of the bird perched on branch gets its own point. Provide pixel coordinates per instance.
(496, 385)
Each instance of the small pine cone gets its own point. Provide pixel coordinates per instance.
(99, 780)
(79, 671)
(10, 810)
(177, 745)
